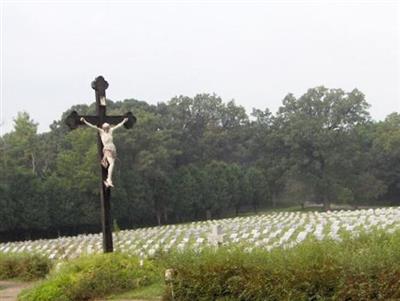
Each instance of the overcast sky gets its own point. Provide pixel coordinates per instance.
(254, 52)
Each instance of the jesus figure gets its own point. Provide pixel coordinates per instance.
(109, 150)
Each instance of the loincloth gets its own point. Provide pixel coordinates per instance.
(110, 149)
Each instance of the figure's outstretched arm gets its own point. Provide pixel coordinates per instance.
(89, 124)
(119, 124)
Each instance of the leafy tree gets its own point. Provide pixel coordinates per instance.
(258, 192)
(316, 127)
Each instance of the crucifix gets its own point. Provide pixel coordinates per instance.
(104, 125)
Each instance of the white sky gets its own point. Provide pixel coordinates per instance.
(254, 52)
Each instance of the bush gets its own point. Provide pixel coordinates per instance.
(92, 277)
(365, 268)
(24, 266)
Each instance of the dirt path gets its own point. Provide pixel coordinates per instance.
(9, 290)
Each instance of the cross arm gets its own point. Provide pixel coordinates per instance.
(114, 120)
(93, 125)
(73, 120)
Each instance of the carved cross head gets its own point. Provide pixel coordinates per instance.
(100, 84)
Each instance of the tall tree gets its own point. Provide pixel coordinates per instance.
(316, 127)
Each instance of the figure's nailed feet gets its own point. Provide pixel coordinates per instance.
(108, 183)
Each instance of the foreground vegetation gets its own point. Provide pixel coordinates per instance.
(92, 277)
(24, 266)
(362, 268)
(367, 268)
(193, 158)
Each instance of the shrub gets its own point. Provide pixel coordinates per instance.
(24, 266)
(365, 268)
(92, 277)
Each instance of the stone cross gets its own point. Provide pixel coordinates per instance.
(73, 121)
(216, 237)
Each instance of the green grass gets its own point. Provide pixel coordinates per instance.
(151, 292)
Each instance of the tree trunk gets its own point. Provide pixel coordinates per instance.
(327, 203)
(158, 216)
(33, 164)
(208, 214)
(255, 208)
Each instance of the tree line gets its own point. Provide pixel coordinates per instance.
(199, 158)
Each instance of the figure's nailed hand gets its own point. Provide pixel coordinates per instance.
(125, 119)
(82, 119)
